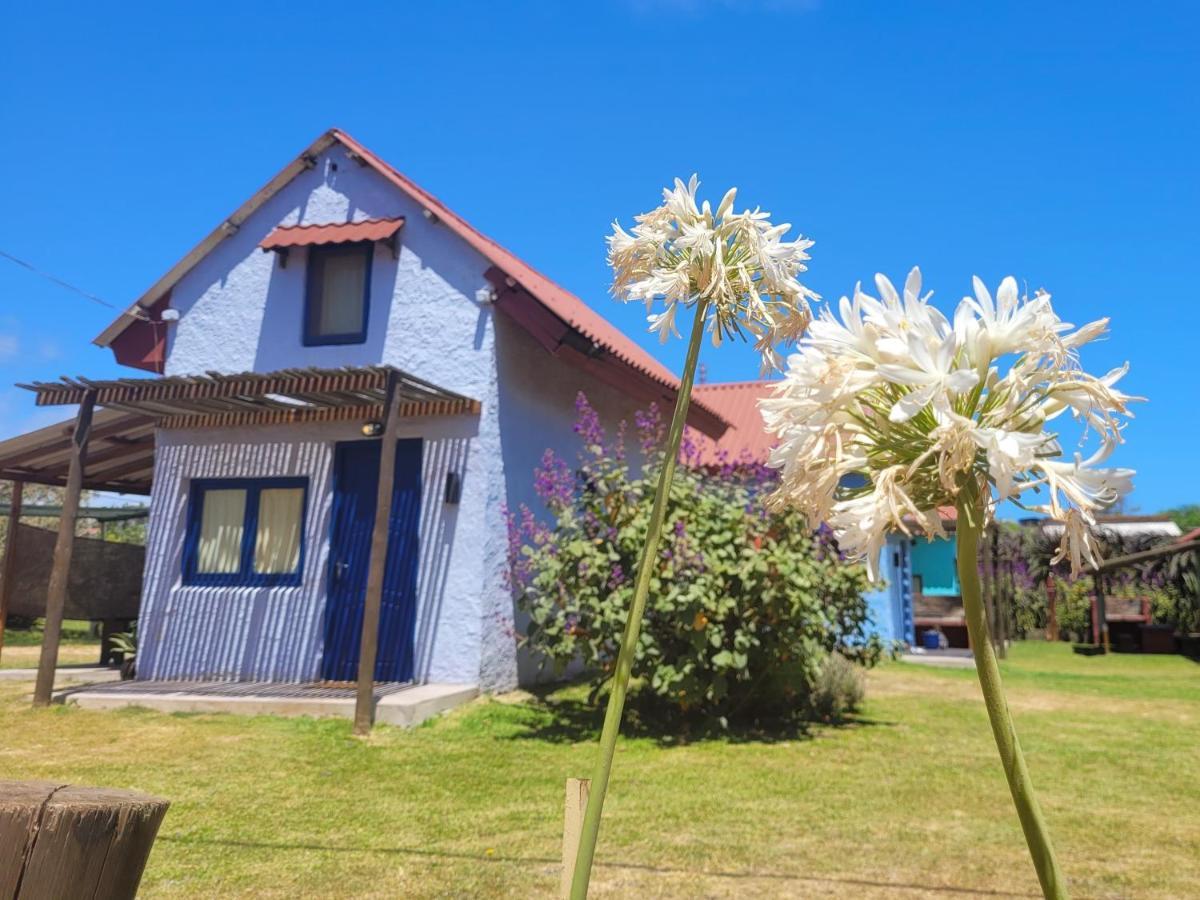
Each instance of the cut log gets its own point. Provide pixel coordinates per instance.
(59, 840)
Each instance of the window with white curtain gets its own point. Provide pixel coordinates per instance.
(245, 531)
(336, 294)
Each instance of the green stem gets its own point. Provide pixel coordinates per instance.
(969, 528)
(633, 625)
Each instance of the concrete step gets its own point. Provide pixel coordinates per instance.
(405, 708)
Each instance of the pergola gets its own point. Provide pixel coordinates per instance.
(1101, 572)
(110, 446)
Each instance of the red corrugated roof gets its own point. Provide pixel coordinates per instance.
(334, 233)
(562, 303)
(737, 403)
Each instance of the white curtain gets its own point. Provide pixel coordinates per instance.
(343, 279)
(221, 524)
(277, 543)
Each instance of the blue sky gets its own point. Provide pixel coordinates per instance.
(1056, 142)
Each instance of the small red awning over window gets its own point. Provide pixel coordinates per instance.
(286, 236)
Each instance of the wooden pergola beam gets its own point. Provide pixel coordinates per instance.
(56, 593)
(1120, 562)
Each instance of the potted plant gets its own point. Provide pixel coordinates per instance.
(124, 644)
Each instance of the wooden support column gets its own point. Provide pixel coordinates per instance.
(1101, 611)
(364, 705)
(56, 593)
(9, 570)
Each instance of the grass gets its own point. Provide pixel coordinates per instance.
(22, 647)
(908, 801)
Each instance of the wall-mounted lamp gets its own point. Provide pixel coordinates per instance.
(170, 315)
(453, 488)
(372, 429)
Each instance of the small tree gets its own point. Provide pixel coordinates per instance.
(745, 606)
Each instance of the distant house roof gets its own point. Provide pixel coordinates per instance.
(559, 320)
(737, 403)
(1118, 524)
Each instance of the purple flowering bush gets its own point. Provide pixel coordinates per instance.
(745, 607)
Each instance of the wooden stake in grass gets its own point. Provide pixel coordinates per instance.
(576, 803)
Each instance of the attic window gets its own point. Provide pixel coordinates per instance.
(337, 293)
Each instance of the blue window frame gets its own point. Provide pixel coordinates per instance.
(225, 545)
(337, 293)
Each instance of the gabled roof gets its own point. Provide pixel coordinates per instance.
(585, 338)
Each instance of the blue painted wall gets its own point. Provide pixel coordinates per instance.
(890, 601)
(935, 562)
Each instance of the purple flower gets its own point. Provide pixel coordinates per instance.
(587, 425)
(553, 481)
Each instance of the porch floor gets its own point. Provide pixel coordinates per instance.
(395, 704)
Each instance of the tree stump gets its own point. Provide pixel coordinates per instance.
(59, 840)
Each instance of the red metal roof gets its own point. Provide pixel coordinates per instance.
(746, 439)
(557, 301)
(333, 233)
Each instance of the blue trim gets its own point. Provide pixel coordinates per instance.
(245, 576)
(312, 279)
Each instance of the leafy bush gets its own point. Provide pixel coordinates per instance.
(744, 607)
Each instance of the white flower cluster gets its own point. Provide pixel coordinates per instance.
(681, 253)
(894, 411)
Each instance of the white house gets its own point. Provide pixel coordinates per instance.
(338, 277)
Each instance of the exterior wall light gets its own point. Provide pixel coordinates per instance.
(372, 429)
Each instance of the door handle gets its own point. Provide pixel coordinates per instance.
(339, 570)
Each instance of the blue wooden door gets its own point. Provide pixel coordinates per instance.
(355, 477)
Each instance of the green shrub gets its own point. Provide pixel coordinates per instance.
(839, 689)
(744, 607)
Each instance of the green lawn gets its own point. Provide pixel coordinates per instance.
(908, 802)
(22, 647)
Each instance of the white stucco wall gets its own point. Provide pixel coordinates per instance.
(242, 311)
(276, 634)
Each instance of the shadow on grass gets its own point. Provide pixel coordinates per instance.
(492, 858)
(557, 717)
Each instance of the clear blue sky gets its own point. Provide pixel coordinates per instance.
(1056, 142)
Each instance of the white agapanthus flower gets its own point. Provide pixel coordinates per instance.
(681, 253)
(893, 411)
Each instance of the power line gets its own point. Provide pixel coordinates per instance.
(70, 287)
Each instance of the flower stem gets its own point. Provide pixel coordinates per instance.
(969, 528)
(633, 625)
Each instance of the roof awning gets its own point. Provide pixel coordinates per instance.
(284, 237)
(259, 398)
(120, 454)
(121, 441)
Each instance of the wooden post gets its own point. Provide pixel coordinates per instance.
(1101, 611)
(998, 598)
(9, 567)
(989, 587)
(1051, 610)
(364, 704)
(577, 799)
(64, 546)
(67, 841)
